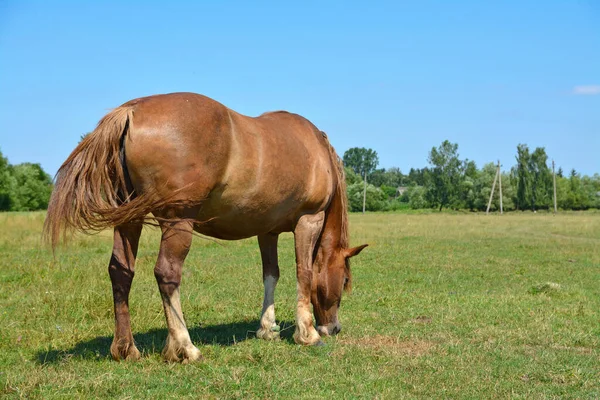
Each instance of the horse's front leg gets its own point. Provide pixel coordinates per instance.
(121, 271)
(268, 328)
(174, 247)
(306, 234)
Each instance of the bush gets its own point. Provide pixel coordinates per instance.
(416, 197)
(351, 176)
(23, 187)
(397, 205)
(376, 199)
(389, 191)
(33, 187)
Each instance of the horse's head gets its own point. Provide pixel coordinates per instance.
(332, 276)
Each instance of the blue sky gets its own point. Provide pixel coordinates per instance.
(399, 76)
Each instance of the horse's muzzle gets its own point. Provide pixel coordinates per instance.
(333, 328)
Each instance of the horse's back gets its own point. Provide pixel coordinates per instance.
(251, 175)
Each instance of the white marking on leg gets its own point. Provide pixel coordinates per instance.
(305, 332)
(268, 326)
(268, 312)
(306, 234)
(178, 340)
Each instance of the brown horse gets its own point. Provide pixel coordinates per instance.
(198, 166)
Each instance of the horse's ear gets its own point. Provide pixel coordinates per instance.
(354, 251)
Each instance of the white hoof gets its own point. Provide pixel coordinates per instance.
(268, 334)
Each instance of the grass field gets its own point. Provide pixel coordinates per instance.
(444, 306)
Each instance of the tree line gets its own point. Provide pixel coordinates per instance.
(23, 187)
(447, 182)
(452, 183)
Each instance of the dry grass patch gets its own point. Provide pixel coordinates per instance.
(532, 350)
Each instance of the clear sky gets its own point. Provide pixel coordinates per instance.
(399, 76)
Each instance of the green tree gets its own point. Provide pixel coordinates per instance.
(23, 187)
(378, 177)
(394, 177)
(522, 178)
(7, 185)
(360, 160)
(417, 176)
(376, 199)
(541, 179)
(592, 187)
(363, 162)
(582, 192)
(563, 190)
(33, 187)
(467, 190)
(416, 197)
(444, 178)
(508, 192)
(351, 176)
(390, 191)
(483, 186)
(388, 177)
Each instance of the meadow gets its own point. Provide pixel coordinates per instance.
(443, 306)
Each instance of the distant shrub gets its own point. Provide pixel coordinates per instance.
(416, 197)
(376, 198)
(397, 205)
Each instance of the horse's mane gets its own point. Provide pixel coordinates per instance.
(340, 200)
(340, 193)
(277, 112)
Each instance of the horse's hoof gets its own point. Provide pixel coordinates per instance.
(124, 351)
(313, 340)
(133, 355)
(192, 357)
(268, 334)
(185, 355)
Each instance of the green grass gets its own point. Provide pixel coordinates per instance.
(444, 306)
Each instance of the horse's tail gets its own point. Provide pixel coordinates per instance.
(92, 190)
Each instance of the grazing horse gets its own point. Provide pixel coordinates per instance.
(196, 165)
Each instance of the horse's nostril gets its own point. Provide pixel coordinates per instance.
(336, 329)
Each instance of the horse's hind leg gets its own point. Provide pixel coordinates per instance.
(174, 247)
(268, 251)
(306, 234)
(121, 271)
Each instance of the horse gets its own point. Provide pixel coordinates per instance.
(199, 167)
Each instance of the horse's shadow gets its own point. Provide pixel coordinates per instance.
(152, 341)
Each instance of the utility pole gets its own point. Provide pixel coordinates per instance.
(365, 192)
(493, 188)
(500, 186)
(554, 180)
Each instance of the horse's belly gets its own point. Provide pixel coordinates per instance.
(235, 226)
(242, 216)
(236, 230)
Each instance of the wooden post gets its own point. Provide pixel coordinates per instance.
(365, 192)
(492, 193)
(554, 180)
(500, 186)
